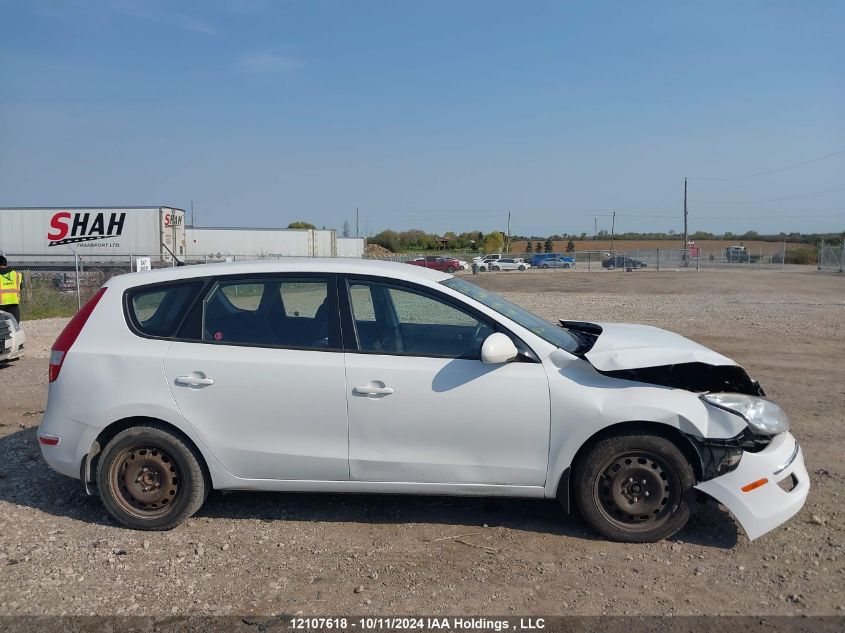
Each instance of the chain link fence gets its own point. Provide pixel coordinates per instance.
(58, 285)
(832, 257)
(657, 259)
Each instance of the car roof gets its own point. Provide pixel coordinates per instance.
(352, 266)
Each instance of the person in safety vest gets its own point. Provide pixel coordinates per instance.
(11, 282)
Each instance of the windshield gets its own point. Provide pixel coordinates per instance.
(553, 334)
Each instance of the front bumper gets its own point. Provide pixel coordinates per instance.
(12, 346)
(767, 505)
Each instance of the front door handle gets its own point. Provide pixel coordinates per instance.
(368, 390)
(195, 379)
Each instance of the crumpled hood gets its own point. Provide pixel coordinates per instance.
(628, 346)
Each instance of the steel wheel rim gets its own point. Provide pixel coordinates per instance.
(637, 491)
(146, 480)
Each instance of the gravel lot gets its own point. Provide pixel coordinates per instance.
(261, 554)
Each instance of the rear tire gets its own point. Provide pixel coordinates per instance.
(521, 268)
(450, 270)
(150, 479)
(634, 487)
(496, 268)
(545, 265)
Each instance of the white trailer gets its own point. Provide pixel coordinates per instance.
(98, 234)
(350, 247)
(217, 243)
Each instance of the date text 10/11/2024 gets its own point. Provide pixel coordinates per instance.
(418, 623)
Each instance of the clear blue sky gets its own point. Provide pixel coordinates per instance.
(435, 115)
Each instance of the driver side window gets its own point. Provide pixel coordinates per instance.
(401, 320)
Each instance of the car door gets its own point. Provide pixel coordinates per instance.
(422, 406)
(259, 376)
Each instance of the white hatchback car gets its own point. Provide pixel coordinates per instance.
(356, 376)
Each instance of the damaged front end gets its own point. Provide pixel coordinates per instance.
(658, 357)
(719, 456)
(696, 377)
(758, 474)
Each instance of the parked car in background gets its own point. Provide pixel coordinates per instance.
(486, 263)
(487, 258)
(412, 381)
(12, 338)
(465, 265)
(737, 253)
(555, 262)
(509, 263)
(435, 262)
(537, 260)
(623, 262)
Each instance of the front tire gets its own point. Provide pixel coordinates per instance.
(496, 268)
(522, 268)
(634, 487)
(151, 479)
(450, 270)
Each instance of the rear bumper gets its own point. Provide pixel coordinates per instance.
(75, 440)
(767, 506)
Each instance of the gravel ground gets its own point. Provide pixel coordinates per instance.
(261, 554)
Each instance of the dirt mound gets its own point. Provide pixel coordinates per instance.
(377, 252)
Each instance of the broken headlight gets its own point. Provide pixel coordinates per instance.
(762, 416)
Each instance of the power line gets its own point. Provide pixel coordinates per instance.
(749, 217)
(773, 171)
(793, 197)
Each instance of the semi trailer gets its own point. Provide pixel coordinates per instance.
(98, 234)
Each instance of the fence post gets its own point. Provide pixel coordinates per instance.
(783, 259)
(658, 259)
(842, 257)
(78, 293)
(589, 261)
(819, 255)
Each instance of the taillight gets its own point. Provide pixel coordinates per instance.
(68, 336)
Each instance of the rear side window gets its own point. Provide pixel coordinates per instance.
(158, 310)
(272, 312)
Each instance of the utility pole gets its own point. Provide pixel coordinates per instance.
(595, 229)
(508, 242)
(356, 222)
(686, 235)
(192, 213)
(612, 229)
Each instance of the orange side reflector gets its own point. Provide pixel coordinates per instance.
(754, 485)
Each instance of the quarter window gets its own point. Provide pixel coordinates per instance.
(158, 310)
(400, 320)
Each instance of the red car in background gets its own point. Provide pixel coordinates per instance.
(435, 262)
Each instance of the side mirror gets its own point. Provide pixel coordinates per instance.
(498, 348)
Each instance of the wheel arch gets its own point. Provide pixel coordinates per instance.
(88, 467)
(563, 491)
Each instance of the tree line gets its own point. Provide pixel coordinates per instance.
(419, 240)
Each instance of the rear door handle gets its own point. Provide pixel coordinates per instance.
(194, 380)
(368, 390)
